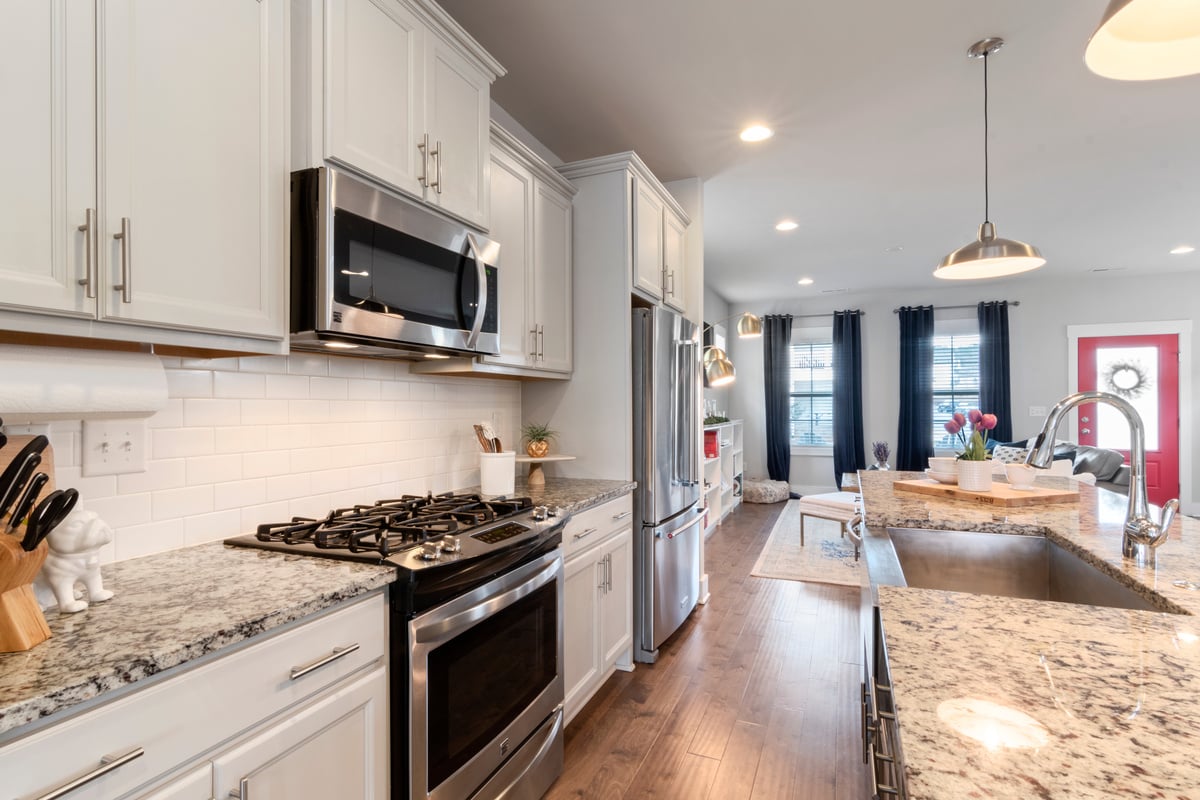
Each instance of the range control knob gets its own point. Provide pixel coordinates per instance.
(431, 551)
(540, 513)
(451, 544)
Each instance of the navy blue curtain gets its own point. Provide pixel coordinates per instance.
(777, 342)
(848, 447)
(994, 389)
(914, 440)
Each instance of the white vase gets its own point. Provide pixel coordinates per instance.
(975, 476)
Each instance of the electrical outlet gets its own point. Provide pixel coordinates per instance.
(114, 446)
(1037, 411)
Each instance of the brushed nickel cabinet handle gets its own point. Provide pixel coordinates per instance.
(339, 652)
(438, 154)
(533, 343)
(541, 342)
(125, 287)
(423, 146)
(622, 515)
(107, 765)
(588, 532)
(609, 559)
(243, 790)
(90, 257)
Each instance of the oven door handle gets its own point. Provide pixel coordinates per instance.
(433, 632)
(480, 291)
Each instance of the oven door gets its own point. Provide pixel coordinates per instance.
(486, 685)
(393, 272)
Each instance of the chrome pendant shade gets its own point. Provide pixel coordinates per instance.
(1145, 40)
(718, 369)
(749, 326)
(988, 256)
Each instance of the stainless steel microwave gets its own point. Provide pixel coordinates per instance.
(379, 275)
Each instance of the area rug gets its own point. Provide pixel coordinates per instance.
(825, 558)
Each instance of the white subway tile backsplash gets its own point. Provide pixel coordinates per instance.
(243, 441)
(239, 385)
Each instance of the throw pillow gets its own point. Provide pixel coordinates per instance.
(1099, 461)
(1009, 455)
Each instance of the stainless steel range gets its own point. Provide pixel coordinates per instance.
(475, 636)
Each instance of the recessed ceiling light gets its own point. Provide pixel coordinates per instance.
(1182, 250)
(787, 225)
(756, 133)
(805, 281)
(896, 248)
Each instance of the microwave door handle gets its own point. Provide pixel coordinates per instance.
(481, 291)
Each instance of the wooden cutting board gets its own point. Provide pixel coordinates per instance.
(1001, 494)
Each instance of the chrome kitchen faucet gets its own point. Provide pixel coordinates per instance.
(1142, 534)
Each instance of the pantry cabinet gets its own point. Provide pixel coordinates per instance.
(397, 91)
(598, 599)
(146, 189)
(255, 719)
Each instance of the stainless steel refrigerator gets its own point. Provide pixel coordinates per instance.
(666, 466)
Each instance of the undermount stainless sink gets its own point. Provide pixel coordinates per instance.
(1031, 567)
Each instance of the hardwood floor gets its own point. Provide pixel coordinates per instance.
(756, 696)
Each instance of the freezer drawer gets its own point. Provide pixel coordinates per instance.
(672, 582)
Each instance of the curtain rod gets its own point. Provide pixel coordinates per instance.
(814, 316)
(947, 308)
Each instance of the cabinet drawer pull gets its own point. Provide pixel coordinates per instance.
(107, 765)
(533, 342)
(622, 515)
(90, 256)
(541, 329)
(588, 532)
(125, 287)
(338, 652)
(243, 790)
(436, 152)
(608, 558)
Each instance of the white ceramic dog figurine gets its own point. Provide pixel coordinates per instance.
(75, 556)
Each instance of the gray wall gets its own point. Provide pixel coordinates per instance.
(1038, 330)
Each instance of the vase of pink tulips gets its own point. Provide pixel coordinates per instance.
(974, 468)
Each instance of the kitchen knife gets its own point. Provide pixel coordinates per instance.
(9, 477)
(32, 461)
(48, 515)
(26, 502)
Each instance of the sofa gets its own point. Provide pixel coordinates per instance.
(1107, 467)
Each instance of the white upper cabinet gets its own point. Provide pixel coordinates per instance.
(674, 261)
(648, 239)
(397, 91)
(151, 186)
(531, 219)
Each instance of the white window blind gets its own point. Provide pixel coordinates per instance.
(811, 396)
(955, 381)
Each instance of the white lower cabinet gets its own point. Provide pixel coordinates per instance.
(598, 599)
(333, 747)
(257, 714)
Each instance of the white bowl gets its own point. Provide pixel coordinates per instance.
(942, 477)
(1020, 476)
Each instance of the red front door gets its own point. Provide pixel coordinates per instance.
(1145, 371)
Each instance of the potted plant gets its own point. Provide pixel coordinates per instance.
(974, 470)
(537, 438)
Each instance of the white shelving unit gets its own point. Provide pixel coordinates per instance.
(723, 473)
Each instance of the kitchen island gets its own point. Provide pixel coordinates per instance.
(1008, 698)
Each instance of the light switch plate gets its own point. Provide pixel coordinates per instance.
(114, 447)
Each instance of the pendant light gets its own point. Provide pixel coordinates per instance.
(717, 366)
(989, 256)
(1144, 40)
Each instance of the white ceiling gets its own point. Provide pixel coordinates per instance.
(879, 132)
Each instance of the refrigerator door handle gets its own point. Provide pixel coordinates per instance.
(687, 446)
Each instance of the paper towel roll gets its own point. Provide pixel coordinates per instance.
(46, 383)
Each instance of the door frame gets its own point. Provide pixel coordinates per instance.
(1180, 327)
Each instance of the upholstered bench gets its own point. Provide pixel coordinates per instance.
(837, 506)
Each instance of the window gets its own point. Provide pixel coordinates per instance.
(811, 396)
(955, 381)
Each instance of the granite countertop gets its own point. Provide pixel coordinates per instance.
(1108, 696)
(174, 607)
(169, 609)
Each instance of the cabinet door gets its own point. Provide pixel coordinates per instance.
(374, 107)
(674, 232)
(616, 604)
(194, 175)
(47, 80)
(511, 199)
(552, 277)
(458, 119)
(335, 747)
(581, 646)
(193, 785)
(648, 240)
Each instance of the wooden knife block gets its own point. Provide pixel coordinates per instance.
(22, 624)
